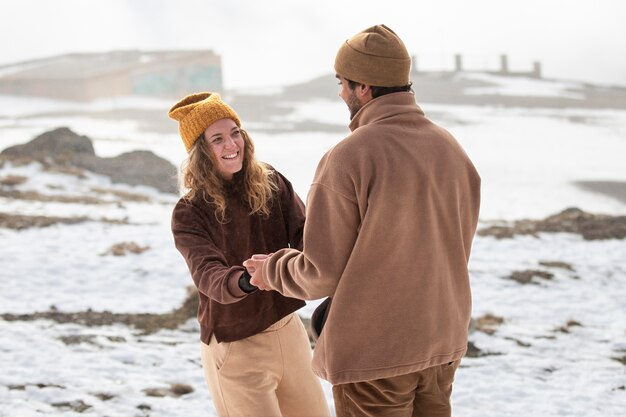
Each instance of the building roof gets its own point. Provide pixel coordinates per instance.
(89, 65)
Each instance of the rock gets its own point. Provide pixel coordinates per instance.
(77, 339)
(572, 220)
(181, 389)
(56, 145)
(567, 326)
(526, 277)
(122, 248)
(620, 359)
(78, 406)
(63, 147)
(557, 264)
(473, 351)
(487, 323)
(135, 168)
(103, 396)
(156, 392)
(12, 180)
(19, 221)
(174, 390)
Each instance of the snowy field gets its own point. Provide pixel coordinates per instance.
(559, 350)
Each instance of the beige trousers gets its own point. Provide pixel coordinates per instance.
(265, 375)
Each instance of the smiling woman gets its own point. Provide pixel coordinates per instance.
(255, 351)
(217, 153)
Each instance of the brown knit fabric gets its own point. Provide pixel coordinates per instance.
(198, 111)
(376, 57)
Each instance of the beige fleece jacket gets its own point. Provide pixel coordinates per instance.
(390, 219)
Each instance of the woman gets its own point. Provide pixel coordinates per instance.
(255, 350)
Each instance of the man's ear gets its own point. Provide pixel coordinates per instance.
(364, 91)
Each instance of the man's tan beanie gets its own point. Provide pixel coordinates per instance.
(198, 111)
(375, 57)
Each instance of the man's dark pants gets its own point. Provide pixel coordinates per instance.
(424, 393)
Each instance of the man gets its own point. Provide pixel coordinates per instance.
(390, 219)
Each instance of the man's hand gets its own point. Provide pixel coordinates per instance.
(254, 265)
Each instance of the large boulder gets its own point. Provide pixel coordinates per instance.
(135, 168)
(58, 145)
(572, 220)
(64, 147)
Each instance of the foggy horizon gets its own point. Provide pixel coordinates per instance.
(292, 42)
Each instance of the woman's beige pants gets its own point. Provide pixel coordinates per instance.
(265, 375)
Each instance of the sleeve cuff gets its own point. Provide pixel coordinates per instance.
(233, 285)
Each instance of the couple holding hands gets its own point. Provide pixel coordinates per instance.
(390, 218)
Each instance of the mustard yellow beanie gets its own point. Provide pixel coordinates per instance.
(198, 111)
(375, 56)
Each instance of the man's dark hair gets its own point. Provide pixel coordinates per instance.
(381, 91)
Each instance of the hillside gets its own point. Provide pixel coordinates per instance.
(273, 110)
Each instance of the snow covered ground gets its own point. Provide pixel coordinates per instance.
(559, 350)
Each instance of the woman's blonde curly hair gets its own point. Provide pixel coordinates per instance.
(200, 179)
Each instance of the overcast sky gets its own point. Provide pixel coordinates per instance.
(277, 42)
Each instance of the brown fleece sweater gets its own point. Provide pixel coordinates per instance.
(391, 215)
(214, 253)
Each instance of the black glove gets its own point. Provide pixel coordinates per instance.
(244, 283)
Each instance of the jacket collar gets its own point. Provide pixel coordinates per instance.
(383, 107)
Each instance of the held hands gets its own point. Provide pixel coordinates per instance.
(254, 265)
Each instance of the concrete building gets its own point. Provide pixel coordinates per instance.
(91, 76)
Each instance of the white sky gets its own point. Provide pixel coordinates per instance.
(277, 42)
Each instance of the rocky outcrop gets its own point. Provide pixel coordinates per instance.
(572, 220)
(135, 168)
(64, 147)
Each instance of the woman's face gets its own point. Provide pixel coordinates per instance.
(225, 142)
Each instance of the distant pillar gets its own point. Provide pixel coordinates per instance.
(504, 64)
(537, 69)
(458, 63)
(413, 63)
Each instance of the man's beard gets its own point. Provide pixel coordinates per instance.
(353, 104)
